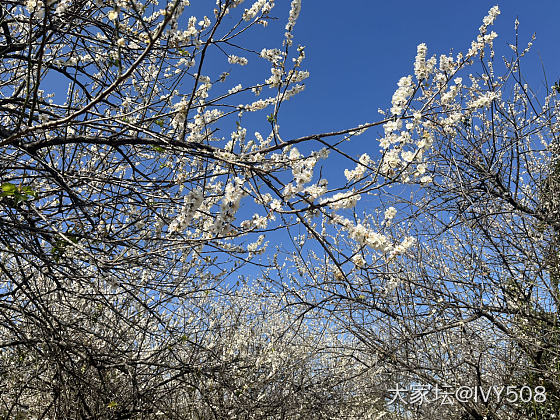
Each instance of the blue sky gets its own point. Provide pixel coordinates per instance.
(357, 51)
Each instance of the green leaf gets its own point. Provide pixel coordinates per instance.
(158, 149)
(29, 191)
(8, 189)
(19, 193)
(159, 122)
(20, 197)
(112, 404)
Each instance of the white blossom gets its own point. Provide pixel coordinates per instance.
(233, 59)
(401, 95)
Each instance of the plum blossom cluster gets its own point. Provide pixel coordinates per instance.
(295, 9)
(258, 7)
(362, 234)
(484, 38)
(191, 204)
(280, 78)
(234, 59)
(489, 19)
(233, 194)
(366, 236)
(404, 150)
(257, 105)
(343, 200)
(422, 67)
(389, 215)
(235, 89)
(274, 55)
(188, 34)
(317, 190)
(302, 172)
(62, 6)
(403, 247)
(257, 222)
(402, 95)
(357, 173)
(484, 100)
(443, 96)
(439, 95)
(259, 246)
(35, 6)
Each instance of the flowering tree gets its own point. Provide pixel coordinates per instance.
(137, 276)
(473, 301)
(120, 218)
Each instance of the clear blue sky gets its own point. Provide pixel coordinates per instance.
(358, 49)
